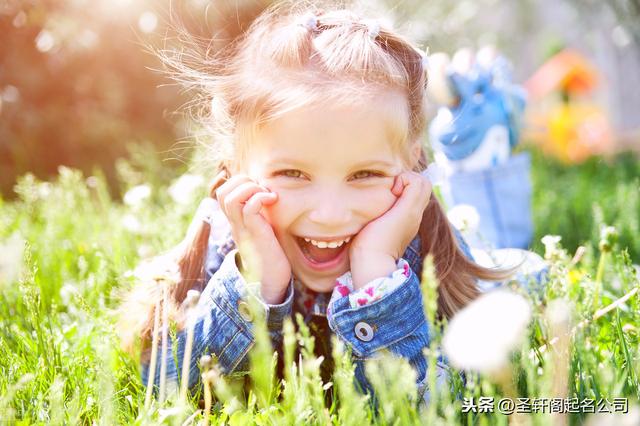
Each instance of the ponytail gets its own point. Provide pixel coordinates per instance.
(182, 269)
(456, 273)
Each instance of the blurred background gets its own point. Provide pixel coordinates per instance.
(79, 86)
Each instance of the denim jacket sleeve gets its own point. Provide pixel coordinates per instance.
(395, 322)
(220, 328)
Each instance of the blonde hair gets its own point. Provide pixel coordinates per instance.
(292, 56)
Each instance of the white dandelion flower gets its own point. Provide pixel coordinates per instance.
(481, 336)
(182, 190)
(550, 245)
(136, 195)
(465, 217)
(11, 264)
(157, 268)
(131, 224)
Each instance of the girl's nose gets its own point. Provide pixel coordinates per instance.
(331, 213)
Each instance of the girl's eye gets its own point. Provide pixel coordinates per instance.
(363, 174)
(289, 173)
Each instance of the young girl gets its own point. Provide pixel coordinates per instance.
(318, 119)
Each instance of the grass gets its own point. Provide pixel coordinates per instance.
(61, 361)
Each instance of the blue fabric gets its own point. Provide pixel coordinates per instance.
(502, 197)
(397, 319)
(482, 105)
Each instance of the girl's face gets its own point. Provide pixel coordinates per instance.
(333, 168)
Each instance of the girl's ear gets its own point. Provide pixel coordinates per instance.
(415, 154)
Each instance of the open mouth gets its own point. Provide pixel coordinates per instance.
(322, 253)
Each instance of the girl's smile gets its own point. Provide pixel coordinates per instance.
(332, 167)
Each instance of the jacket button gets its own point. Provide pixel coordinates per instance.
(245, 312)
(364, 331)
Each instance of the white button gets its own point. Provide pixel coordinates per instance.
(245, 312)
(364, 331)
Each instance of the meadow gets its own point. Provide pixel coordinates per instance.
(67, 249)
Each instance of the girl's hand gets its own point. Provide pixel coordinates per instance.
(241, 200)
(375, 250)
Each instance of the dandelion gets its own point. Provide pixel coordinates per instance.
(481, 336)
(464, 217)
(158, 268)
(608, 237)
(551, 248)
(136, 195)
(11, 260)
(131, 224)
(67, 293)
(44, 190)
(183, 189)
(92, 182)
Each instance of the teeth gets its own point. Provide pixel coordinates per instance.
(324, 244)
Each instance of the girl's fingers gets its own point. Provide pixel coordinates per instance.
(235, 201)
(416, 190)
(254, 222)
(226, 188)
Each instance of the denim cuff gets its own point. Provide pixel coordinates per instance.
(277, 313)
(385, 322)
(274, 314)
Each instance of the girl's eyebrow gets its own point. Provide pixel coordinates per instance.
(373, 163)
(360, 165)
(285, 162)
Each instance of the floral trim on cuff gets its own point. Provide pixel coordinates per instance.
(374, 290)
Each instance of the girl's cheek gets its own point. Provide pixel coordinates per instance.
(276, 214)
(377, 202)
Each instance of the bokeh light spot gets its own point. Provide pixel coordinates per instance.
(45, 41)
(148, 22)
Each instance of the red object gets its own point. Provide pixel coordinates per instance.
(568, 71)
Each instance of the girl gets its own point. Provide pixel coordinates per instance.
(318, 118)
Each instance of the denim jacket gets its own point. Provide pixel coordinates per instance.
(395, 322)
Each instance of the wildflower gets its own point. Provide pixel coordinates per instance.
(156, 269)
(67, 293)
(608, 237)
(11, 260)
(182, 190)
(481, 336)
(92, 182)
(44, 190)
(136, 195)
(550, 245)
(464, 217)
(131, 223)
